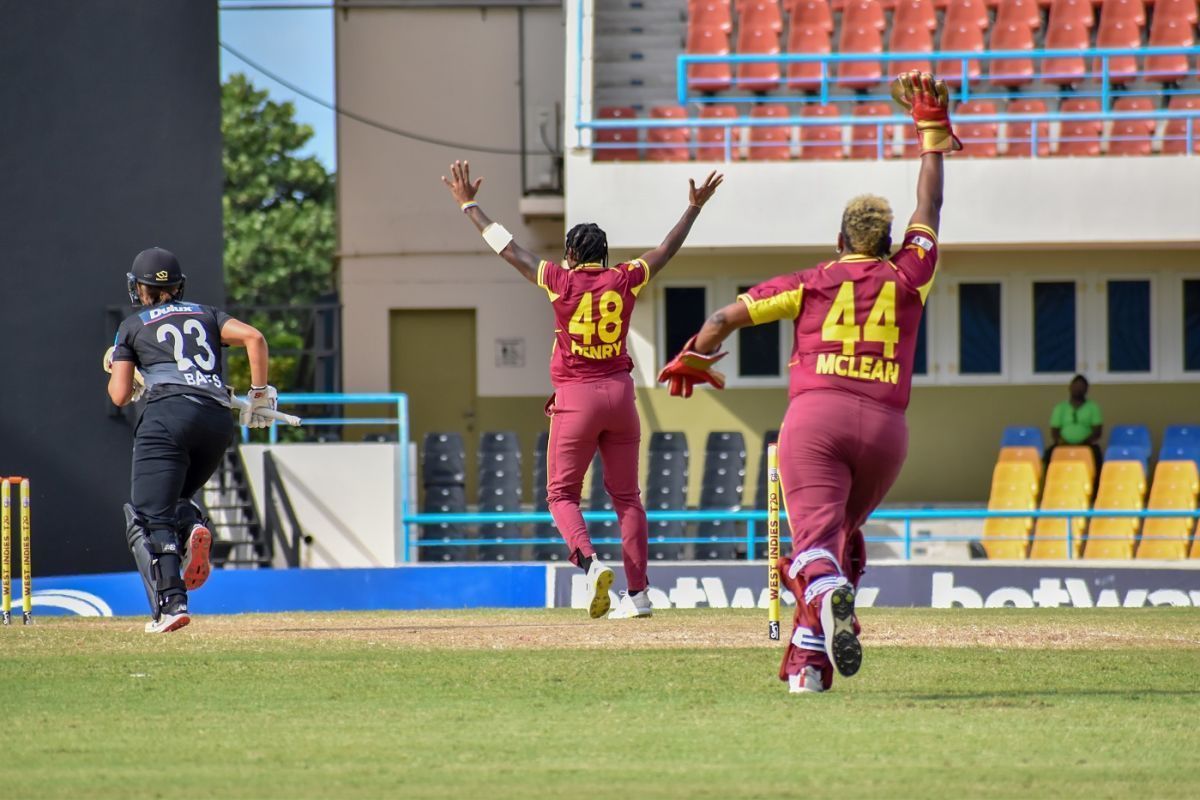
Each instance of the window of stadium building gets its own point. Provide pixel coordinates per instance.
(1129, 313)
(979, 329)
(1191, 325)
(1054, 327)
(759, 349)
(684, 310)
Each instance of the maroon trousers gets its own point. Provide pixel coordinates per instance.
(839, 454)
(585, 417)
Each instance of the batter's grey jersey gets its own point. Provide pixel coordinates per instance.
(177, 347)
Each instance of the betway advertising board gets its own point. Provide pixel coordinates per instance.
(1028, 585)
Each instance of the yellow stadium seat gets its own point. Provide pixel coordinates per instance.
(1196, 542)
(1120, 489)
(1068, 475)
(1167, 537)
(1181, 473)
(1022, 455)
(1081, 455)
(1014, 475)
(1050, 533)
(1008, 537)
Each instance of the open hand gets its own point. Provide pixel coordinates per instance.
(698, 197)
(460, 184)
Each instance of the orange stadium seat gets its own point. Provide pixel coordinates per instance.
(758, 41)
(821, 141)
(711, 142)
(1019, 135)
(760, 14)
(628, 136)
(915, 14)
(966, 12)
(708, 77)
(864, 13)
(1079, 455)
(864, 139)
(1175, 134)
(1065, 35)
(1169, 32)
(1080, 137)
(770, 143)
(1069, 477)
(980, 140)
(1182, 10)
(668, 144)
(806, 39)
(1020, 12)
(1011, 72)
(910, 39)
(810, 13)
(1078, 12)
(960, 36)
(1132, 137)
(1121, 24)
(860, 39)
(710, 14)
(1017, 455)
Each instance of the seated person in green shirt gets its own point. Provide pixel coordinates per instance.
(1077, 421)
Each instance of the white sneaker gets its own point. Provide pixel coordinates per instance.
(597, 583)
(196, 566)
(168, 622)
(837, 623)
(632, 605)
(807, 682)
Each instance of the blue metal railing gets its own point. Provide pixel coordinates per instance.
(291, 400)
(753, 518)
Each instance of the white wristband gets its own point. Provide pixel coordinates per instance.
(497, 237)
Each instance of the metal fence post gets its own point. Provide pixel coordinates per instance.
(750, 539)
(1070, 540)
(908, 538)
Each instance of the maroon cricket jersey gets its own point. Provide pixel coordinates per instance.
(856, 319)
(592, 306)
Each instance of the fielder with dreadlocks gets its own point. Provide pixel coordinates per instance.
(593, 402)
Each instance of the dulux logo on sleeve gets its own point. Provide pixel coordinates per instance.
(159, 312)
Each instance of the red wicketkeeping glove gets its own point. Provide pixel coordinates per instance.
(928, 100)
(689, 368)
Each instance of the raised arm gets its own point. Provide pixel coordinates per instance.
(495, 234)
(657, 258)
(929, 192)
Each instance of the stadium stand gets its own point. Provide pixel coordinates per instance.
(713, 143)
(721, 490)
(1068, 488)
(770, 143)
(1129, 441)
(872, 141)
(1015, 486)
(666, 490)
(554, 551)
(499, 491)
(668, 144)
(1023, 436)
(443, 476)
(1122, 487)
(1176, 485)
(821, 141)
(617, 137)
(1081, 455)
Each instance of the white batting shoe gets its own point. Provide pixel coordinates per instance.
(173, 617)
(597, 583)
(808, 681)
(632, 605)
(837, 623)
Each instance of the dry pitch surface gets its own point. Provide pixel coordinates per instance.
(1002, 703)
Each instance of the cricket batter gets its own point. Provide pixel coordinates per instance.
(169, 353)
(844, 437)
(593, 402)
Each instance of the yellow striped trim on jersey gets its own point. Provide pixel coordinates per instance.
(541, 280)
(635, 290)
(785, 305)
(925, 229)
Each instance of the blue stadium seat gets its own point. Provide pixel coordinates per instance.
(1182, 435)
(1180, 452)
(1136, 436)
(1022, 436)
(1119, 453)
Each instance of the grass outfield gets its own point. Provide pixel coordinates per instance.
(529, 704)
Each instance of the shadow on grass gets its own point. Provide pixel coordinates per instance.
(1047, 694)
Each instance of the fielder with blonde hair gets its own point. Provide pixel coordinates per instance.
(844, 437)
